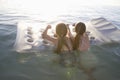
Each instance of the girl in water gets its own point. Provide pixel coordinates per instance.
(81, 40)
(61, 42)
(84, 60)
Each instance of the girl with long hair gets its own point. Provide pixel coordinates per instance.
(81, 40)
(80, 48)
(61, 42)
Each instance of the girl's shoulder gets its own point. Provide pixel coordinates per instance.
(85, 35)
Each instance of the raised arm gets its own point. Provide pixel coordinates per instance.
(46, 36)
(69, 33)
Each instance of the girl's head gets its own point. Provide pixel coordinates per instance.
(61, 31)
(80, 29)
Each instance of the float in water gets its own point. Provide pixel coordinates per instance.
(28, 37)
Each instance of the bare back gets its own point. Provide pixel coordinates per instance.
(67, 47)
(84, 43)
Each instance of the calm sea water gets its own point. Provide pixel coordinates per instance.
(44, 65)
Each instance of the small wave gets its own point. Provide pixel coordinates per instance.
(117, 52)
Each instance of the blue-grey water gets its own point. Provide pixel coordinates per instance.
(44, 65)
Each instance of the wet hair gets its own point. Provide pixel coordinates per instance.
(80, 29)
(61, 31)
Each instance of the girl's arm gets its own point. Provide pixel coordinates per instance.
(69, 33)
(87, 40)
(46, 36)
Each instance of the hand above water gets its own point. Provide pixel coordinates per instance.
(49, 27)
